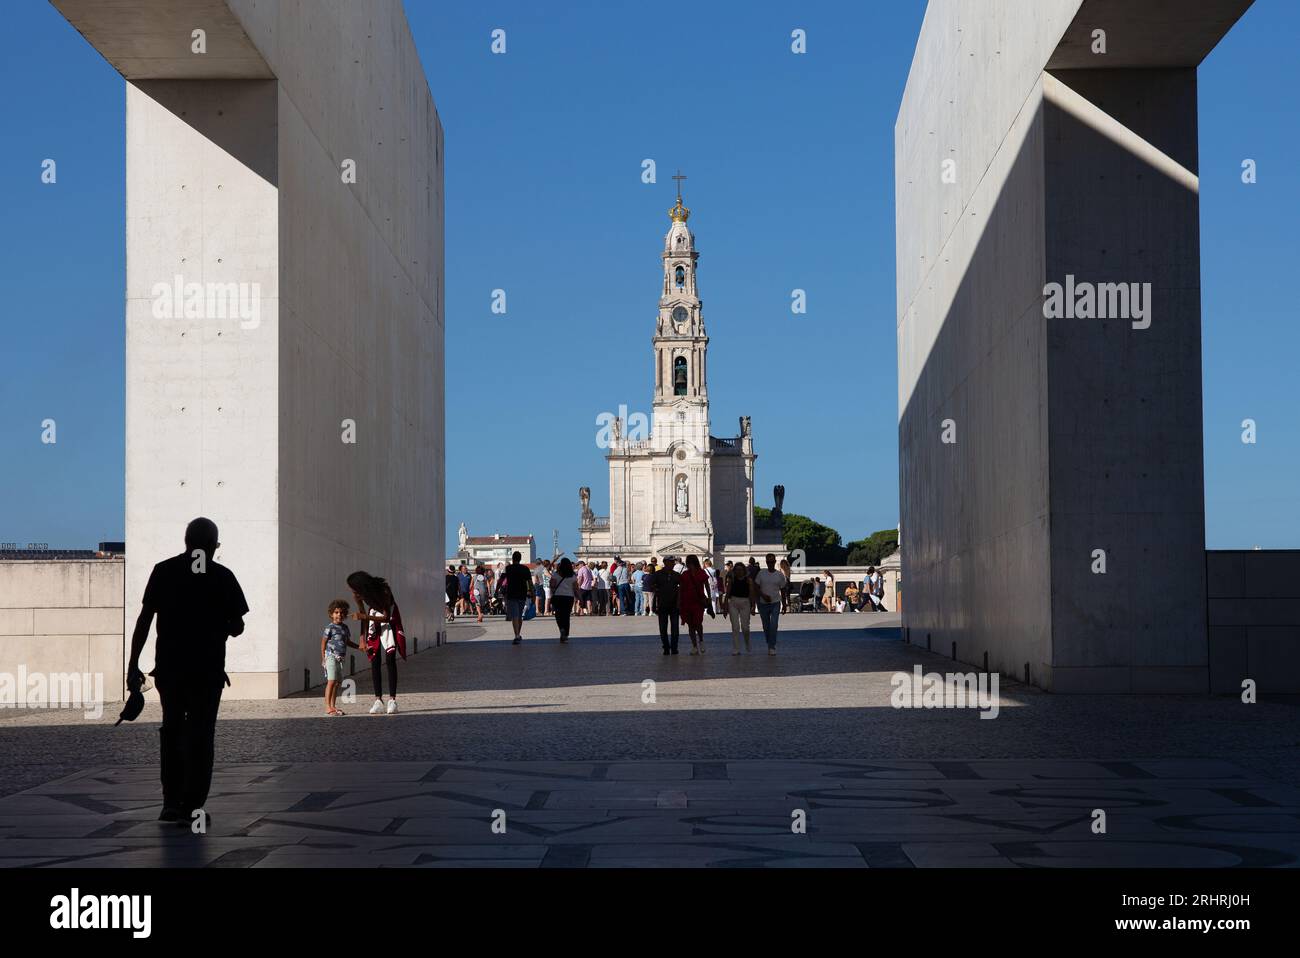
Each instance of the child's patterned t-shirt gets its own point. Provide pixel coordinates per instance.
(336, 637)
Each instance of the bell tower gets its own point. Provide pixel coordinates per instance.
(681, 396)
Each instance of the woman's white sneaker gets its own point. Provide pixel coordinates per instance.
(378, 707)
(392, 706)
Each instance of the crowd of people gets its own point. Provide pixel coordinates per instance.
(198, 604)
(678, 593)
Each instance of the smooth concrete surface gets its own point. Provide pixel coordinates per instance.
(1123, 404)
(234, 176)
(1072, 435)
(1254, 619)
(154, 39)
(63, 616)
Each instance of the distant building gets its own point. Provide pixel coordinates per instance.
(674, 488)
(492, 549)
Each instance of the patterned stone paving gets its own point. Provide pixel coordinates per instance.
(681, 814)
(588, 774)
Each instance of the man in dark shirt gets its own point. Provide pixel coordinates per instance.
(198, 604)
(666, 585)
(453, 593)
(519, 586)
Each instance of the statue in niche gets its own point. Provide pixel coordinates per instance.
(683, 497)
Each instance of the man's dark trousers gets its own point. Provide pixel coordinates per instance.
(667, 615)
(189, 723)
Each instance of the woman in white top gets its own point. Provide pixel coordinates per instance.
(547, 572)
(479, 590)
(712, 573)
(564, 592)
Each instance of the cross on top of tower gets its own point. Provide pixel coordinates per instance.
(679, 213)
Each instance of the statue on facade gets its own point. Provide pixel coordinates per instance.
(618, 429)
(683, 497)
(584, 496)
(744, 426)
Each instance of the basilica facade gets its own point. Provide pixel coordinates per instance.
(674, 488)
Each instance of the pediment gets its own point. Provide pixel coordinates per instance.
(684, 547)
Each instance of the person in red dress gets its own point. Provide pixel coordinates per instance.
(694, 602)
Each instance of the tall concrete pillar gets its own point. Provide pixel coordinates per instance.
(284, 307)
(1049, 142)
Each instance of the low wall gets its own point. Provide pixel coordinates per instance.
(60, 616)
(1254, 619)
(846, 574)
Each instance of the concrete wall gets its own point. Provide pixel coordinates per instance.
(233, 177)
(1124, 404)
(63, 616)
(1254, 619)
(1072, 434)
(971, 343)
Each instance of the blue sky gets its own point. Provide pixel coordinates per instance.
(790, 166)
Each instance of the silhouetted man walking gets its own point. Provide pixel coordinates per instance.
(199, 604)
(666, 585)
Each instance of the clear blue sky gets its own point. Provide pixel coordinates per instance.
(790, 166)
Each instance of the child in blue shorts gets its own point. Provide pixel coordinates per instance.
(334, 643)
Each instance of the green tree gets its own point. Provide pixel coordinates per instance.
(873, 548)
(821, 544)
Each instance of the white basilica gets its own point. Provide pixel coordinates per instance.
(677, 490)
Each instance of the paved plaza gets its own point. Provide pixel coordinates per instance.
(556, 744)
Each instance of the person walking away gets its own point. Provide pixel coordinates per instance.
(740, 598)
(199, 605)
(769, 584)
(667, 589)
(564, 593)
(819, 594)
(385, 638)
(693, 601)
(518, 586)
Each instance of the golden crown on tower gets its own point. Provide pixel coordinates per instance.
(679, 213)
